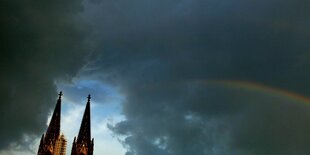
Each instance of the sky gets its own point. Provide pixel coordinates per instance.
(167, 77)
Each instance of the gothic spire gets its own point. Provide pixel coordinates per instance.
(83, 144)
(84, 133)
(53, 130)
(48, 143)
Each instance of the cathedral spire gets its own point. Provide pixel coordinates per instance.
(48, 141)
(84, 144)
(84, 133)
(53, 130)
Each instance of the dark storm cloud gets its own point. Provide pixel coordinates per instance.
(155, 50)
(40, 42)
(200, 119)
(205, 39)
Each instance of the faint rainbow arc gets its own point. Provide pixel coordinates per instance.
(258, 87)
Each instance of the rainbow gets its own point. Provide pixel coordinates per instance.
(251, 86)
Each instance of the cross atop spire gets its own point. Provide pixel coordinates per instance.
(88, 98)
(60, 94)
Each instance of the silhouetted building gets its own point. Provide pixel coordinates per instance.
(54, 143)
(82, 145)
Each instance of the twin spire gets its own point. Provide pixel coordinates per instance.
(83, 145)
(54, 143)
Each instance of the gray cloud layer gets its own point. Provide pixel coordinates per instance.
(156, 49)
(199, 119)
(40, 42)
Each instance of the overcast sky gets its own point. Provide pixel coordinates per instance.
(167, 77)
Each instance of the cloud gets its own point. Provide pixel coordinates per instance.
(154, 50)
(202, 39)
(40, 42)
(202, 119)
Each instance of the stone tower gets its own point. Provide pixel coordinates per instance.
(53, 142)
(83, 145)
